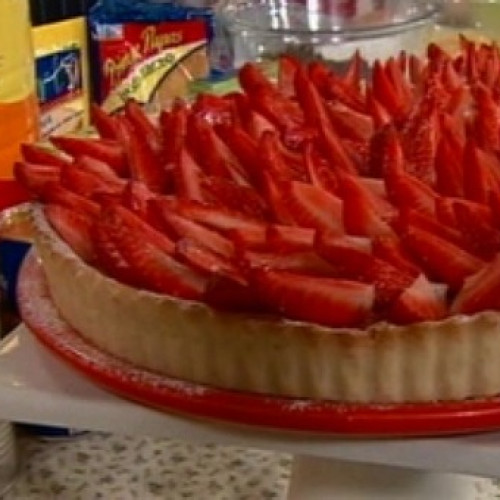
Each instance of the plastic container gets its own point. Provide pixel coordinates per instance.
(328, 29)
(18, 102)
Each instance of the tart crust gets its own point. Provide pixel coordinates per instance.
(453, 359)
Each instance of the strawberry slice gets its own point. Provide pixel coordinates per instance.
(105, 124)
(481, 238)
(173, 126)
(258, 124)
(273, 189)
(388, 280)
(364, 214)
(34, 177)
(251, 79)
(105, 150)
(442, 260)
(187, 177)
(354, 71)
(319, 171)
(136, 197)
(246, 150)
(273, 160)
(418, 302)
(391, 250)
(487, 119)
(201, 258)
(249, 239)
(386, 153)
(146, 166)
(287, 68)
(297, 261)
(480, 170)
(480, 291)
(326, 301)
(385, 93)
(73, 227)
(215, 109)
(229, 295)
(405, 190)
(179, 227)
(449, 173)
(244, 199)
(148, 258)
(350, 124)
(143, 126)
(313, 207)
(288, 238)
(218, 218)
(32, 153)
(86, 183)
(58, 195)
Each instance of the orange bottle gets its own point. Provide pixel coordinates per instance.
(18, 102)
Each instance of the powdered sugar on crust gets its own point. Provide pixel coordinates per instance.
(41, 315)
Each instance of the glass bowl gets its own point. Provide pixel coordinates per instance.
(328, 29)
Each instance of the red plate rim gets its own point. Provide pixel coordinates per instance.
(195, 400)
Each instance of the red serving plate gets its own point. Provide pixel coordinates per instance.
(195, 400)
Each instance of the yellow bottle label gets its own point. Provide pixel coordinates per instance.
(18, 107)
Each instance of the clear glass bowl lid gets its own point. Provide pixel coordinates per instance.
(345, 18)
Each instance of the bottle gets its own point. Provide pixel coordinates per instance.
(18, 102)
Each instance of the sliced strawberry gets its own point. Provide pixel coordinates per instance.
(251, 78)
(110, 152)
(313, 207)
(287, 68)
(227, 193)
(246, 150)
(353, 74)
(385, 93)
(442, 260)
(448, 168)
(487, 120)
(58, 195)
(364, 214)
(297, 261)
(378, 113)
(34, 177)
(405, 190)
(273, 160)
(212, 154)
(249, 238)
(146, 166)
(157, 269)
(388, 280)
(418, 302)
(481, 238)
(350, 124)
(108, 256)
(390, 249)
(273, 188)
(409, 217)
(73, 227)
(480, 170)
(86, 183)
(480, 291)
(32, 153)
(187, 177)
(288, 238)
(319, 170)
(144, 127)
(420, 145)
(201, 258)
(386, 153)
(105, 124)
(214, 109)
(173, 125)
(216, 217)
(399, 83)
(180, 227)
(258, 124)
(310, 100)
(326, 301)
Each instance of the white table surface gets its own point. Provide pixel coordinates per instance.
(37, 387)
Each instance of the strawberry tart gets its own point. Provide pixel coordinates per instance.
(319, 236)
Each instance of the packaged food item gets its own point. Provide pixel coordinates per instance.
(62, 75)
(147, 51)
(18, 103)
